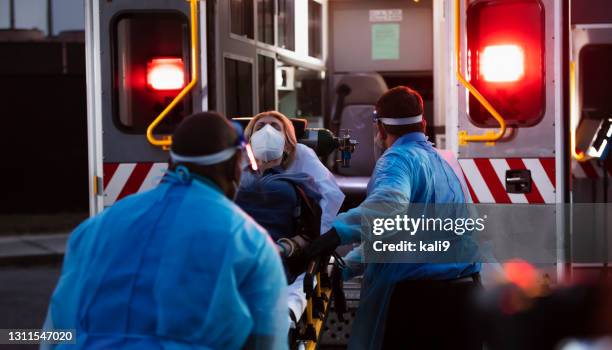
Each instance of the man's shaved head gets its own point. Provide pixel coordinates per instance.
(203, 133)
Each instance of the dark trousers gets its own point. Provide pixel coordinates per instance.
(432, 315)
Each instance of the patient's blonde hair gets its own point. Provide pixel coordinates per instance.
(290, 139)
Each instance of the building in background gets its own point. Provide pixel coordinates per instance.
(51, 17)
(42, 84)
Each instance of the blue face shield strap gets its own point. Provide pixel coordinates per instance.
(398, 121)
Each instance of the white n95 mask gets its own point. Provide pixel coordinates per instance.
(268, 143)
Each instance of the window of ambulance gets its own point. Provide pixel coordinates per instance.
(594, 132)
(238, 88)
(266, 80)
(315, 29)
(265, 21)
(596, 80)
(241, 18)
(286, 24)
(150, 66)
(300, 94)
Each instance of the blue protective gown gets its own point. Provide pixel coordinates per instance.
(410, 171)
(177, 267)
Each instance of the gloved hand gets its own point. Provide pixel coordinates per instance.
(322, 246)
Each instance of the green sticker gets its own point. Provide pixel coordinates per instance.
(385, 41)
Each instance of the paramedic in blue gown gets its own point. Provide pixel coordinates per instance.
(179, 266)
(423, 315)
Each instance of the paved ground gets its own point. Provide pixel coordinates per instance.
(18, 249)
(29, 268)
(19, 224)
(24, 295)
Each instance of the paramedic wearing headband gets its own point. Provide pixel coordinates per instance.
(179, 266)
(410, 170)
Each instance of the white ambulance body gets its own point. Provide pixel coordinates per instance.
(513, 96)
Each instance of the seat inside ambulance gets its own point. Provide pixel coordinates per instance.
(354, 102)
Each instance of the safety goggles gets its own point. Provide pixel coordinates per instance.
(223, 155)
(397, 121)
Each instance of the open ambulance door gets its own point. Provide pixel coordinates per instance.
(146, 71)
(501, 94)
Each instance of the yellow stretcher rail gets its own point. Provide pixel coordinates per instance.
(464, 137)
(166, 141)
(573, 113)
(317, 323)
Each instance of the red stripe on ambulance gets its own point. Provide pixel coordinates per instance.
(492, 180)
(123, 179)
(109, 170)
(486, 179)
(534, 196)
(135, 180)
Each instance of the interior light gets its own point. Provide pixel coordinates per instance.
(601, 139)
(166, 74)
(502, 63)
(596, 153)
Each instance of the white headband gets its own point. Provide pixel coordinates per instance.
(209, 159)
(401, 121)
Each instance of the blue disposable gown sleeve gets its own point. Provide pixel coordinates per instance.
(388, 193)
(265, 292)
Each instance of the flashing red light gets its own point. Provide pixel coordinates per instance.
(506, 46)
(502, 63)
(166, 74)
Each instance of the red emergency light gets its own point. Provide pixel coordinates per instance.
(502, 63)
(506, 45)
(165, 74)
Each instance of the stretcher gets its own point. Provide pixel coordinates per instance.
(320, 284)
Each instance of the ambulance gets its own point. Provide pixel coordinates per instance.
(518, 90)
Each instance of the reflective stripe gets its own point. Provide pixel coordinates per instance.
(476, 182)
(500, 166)
(541, 180)
(116, 183)
(486, 179)
(153, 177)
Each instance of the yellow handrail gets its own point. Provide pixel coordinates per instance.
(573, 113)
(490, 136)
(167, 140)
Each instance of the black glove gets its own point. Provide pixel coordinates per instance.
(323, 246)
(337, 284)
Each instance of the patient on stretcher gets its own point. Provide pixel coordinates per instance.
(287, 193)
(284, 202)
